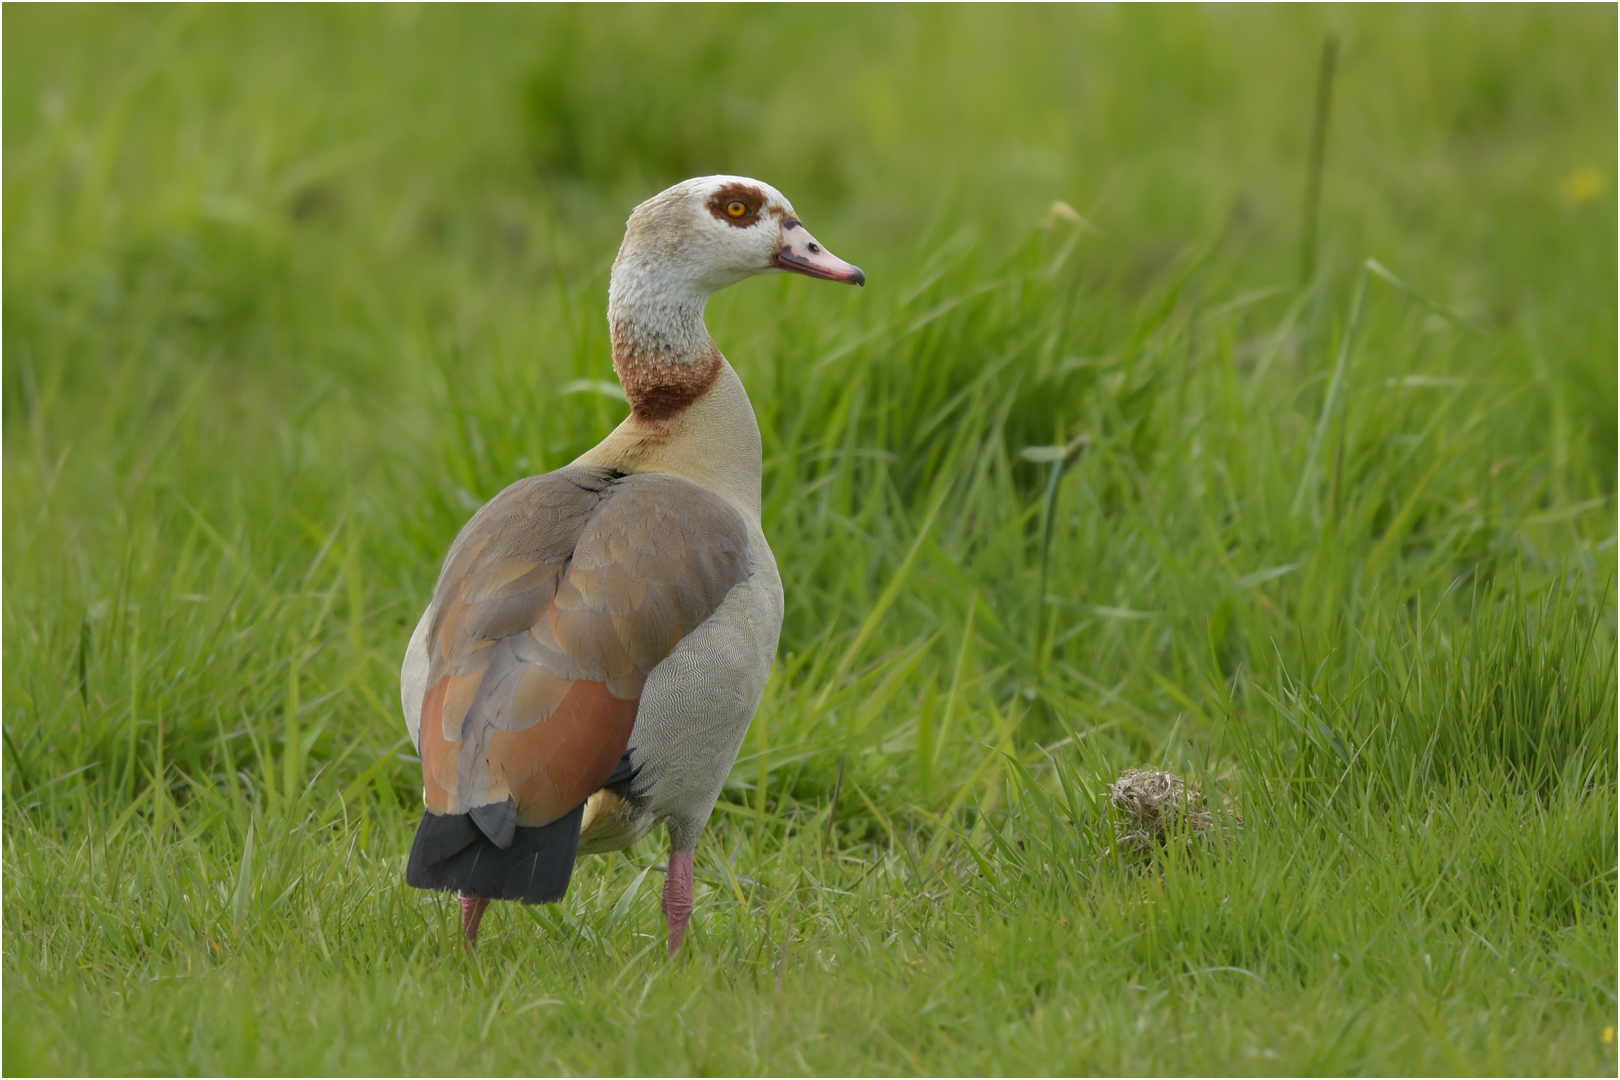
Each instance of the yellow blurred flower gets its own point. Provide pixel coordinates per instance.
(1581, 186)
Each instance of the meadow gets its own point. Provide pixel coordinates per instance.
(1101, 469)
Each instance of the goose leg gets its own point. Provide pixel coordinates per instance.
(472, 911)
(678, 896)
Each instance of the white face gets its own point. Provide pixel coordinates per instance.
(715, 231)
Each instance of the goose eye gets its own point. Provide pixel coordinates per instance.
(736, 208)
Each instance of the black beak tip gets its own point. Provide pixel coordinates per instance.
(860, 276)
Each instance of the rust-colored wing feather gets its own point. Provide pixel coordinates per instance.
(556, 602)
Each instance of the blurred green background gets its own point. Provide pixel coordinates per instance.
(289, 291)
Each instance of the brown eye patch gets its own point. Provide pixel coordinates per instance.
(737, 204)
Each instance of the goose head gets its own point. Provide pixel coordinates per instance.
(704, 234)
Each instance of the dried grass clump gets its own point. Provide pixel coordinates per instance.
(1154, 806)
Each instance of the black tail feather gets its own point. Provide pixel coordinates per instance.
(452, 853)
(624, 775)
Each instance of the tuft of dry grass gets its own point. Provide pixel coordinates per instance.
(1156, 806)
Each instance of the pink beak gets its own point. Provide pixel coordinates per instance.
(801, 254)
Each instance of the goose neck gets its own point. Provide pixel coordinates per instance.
(662, 351)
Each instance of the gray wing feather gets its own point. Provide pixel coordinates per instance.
(581, 574)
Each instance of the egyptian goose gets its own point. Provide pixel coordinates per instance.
(600, 636)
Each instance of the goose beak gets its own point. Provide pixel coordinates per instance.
(800, 253)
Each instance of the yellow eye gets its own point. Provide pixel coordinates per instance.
(736, 208)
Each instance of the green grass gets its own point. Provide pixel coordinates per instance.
(289, 292)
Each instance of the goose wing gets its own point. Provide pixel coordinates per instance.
(555, 603)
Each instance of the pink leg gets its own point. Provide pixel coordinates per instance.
(678, 897)
(472, 910)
